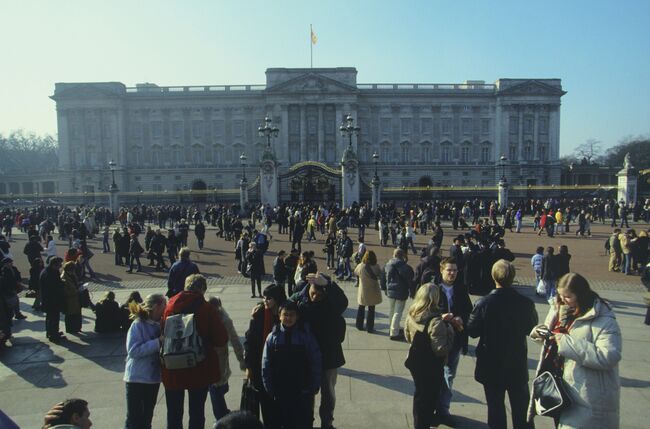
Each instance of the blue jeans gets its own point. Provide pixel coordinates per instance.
(175, 406)
(140, 402)
(217, 397)
(627, 263)
(550, 289)
(444, 401)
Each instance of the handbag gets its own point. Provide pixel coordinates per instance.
(249, 399)
(541, 288)
(550, 395)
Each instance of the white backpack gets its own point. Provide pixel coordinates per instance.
(183, 346)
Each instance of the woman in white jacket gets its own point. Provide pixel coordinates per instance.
(589, 343)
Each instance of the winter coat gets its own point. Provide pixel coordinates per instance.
(71, 292)
(591, 352)
(179, 271)
(562, 264)
(143, 352)
(256, 261)
(369, 291)
(326, 320)
(502, 319)
(279, 270)
(52, 292)
(291, 363)
(108, 316)
(461, 306)
(254, 343)
(212, 332)
(440, 333)
(399, 279)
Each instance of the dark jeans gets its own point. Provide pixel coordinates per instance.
(72, 323)
(296, 412)
(257, 280)
(370, 321)
(132, 259)
(427, 389)
(519, 397)
(140, 402)
(217, 397)
(52, 319)
(175, 406)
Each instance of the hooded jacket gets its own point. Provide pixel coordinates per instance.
(591, 352)
(399, 279)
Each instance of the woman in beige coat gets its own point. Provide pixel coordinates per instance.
(72, 305)
(589, 344)
(369, 294)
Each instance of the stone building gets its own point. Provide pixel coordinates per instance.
(165, 139)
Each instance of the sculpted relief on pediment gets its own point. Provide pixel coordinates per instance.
(312, 83)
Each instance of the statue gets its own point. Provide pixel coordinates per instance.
(627, 164)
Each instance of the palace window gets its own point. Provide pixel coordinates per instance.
(542, 152)
(485, 153)
(514, 125)
(446, 125)
(156, 130)
(155, 157)
(217, 130)
(197, 129)
(528, 152)
(385, 153)
(406, 147)
(464, 154)
(385, 126)
(485, 126)
(466, 124)
(136, 130)
(197, 156)
(445, 153)
(426, 125)
(177, 129)
(405, 124)
(528, 124)
(543, 125)
(426, 152)
(238, 128)
(513, 153)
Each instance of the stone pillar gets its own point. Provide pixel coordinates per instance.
(520, 135)
(269, 190)
(284, 134)
(114, 200)
(350, 178)
(243, 193)
(503, 194)
(376, 192)
(321, 135)
(627, 183)
(536, 133)
(303, 133)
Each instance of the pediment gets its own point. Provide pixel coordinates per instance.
(532, 87)
(312, 83)
(87, 91)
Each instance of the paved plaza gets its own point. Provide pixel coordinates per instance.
(374, 388)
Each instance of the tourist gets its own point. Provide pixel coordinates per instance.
(199, 232)
(456, 307)
(108, 316)
(218, 390)
(142, 369)
(196, 380)
(399, 286)
(536, 263)
(52, 292)
(615, 250)
(369, 291)
(135, 250)
(72, 306)
(71, 414)
(291, 369)
(431, 340)
(587, 341)
(501, 358)
(330, 244)
(321, 304)
(280, 269)
(548, 272)
(264, 316)
(255, 268)
(179, 271)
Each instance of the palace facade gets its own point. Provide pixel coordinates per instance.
(166, 139)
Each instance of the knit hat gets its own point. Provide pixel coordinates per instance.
(276, 292)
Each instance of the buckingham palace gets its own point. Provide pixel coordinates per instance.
(181, 138)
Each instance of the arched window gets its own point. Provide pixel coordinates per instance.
(445, 153)
(486, 152)
(426, 152)
(528, 151)
(405, 148)
(465, 153)
(385, 156)
(218, 157)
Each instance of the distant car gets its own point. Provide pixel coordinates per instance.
(21, 201)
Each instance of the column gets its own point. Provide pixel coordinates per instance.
(321, 135)
(284, 135)
(64, 138)
(535, 134)
(354, 113)
(337, 134)
(303, 133)
(520, 135)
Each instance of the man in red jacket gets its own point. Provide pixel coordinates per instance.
(195, 380)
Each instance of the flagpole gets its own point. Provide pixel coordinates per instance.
(311, 47)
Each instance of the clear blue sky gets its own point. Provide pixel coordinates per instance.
(600, 49)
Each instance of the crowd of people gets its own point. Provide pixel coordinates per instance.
(293, 345)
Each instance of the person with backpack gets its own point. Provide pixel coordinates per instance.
(142, 369)
(191, 362)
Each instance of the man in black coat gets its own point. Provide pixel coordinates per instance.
(52, 293)
(322, 304)
(456, 307)
(503, 319)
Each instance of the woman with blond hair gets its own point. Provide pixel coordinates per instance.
(431, 340)
(586, 345)
(142, 370)
(369, 292)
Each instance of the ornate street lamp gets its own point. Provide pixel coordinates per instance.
(111, 165)
(375, 160)
(267, 130)
(347, 128)
(502, 162)
(242, 161)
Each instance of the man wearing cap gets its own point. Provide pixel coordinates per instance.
(53, 297)
(321, 304)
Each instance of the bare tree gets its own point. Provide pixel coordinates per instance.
(24, 152)
(589, 150)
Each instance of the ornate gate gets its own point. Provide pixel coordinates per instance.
(310, 181)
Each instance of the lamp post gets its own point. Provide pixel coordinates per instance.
(243, 184)
(113, 190)
(347, 128)
(503, 184)
(375, 184)
(111, 165)
(268, 130)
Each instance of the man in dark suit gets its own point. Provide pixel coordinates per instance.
(456, 307)
(503, 319)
